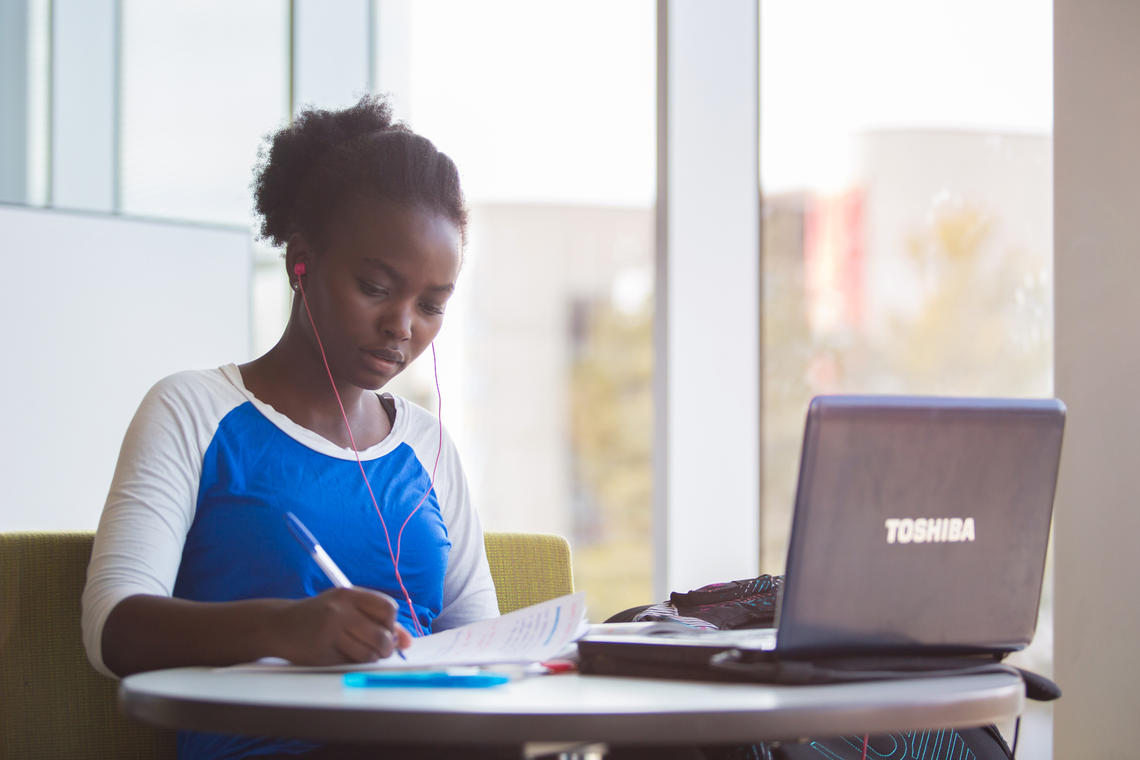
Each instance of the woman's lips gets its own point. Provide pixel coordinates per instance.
(384, 359)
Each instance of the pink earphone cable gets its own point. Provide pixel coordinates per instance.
(438, 451)
(352, 440)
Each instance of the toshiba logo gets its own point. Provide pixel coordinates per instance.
(925, 530)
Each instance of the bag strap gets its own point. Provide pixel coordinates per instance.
(1038, 687)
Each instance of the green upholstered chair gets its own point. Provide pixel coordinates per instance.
(528, 568)
(54, 705)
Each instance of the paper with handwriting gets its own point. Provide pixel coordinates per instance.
(532, 634)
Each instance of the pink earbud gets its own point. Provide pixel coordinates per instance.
(299, 269)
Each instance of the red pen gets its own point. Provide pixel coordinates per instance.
(559, 666)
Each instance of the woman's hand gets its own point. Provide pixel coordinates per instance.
(340, 625)
(147, 632)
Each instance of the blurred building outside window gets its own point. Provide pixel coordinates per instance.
(906, 174)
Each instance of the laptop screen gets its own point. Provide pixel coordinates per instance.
(920, 522)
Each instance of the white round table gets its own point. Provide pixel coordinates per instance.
(559, 708)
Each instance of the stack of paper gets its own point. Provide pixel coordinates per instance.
(540, 632)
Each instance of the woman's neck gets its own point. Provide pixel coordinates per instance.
(288, 379)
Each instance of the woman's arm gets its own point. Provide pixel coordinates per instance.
(468, 591)
(145, 632)
(131, 622)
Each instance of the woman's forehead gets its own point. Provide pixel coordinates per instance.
(391, 235)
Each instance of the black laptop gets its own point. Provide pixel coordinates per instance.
(920, 528)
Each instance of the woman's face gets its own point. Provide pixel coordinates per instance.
(378, 287)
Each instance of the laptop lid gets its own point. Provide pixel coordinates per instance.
(921, 523)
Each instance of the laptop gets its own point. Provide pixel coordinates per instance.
(920, 527)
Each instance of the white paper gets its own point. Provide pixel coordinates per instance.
(532, 634)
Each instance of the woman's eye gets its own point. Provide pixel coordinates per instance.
(434, 309)
(372, 289)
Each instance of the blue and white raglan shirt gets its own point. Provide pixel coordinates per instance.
(195, 510)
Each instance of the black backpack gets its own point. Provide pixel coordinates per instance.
(751, 603)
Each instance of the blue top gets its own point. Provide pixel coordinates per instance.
(195, 510)
(253, 473)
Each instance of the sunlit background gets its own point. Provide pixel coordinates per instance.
(906, 181)
(906, 166)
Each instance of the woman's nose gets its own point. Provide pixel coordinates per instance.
(396, 321)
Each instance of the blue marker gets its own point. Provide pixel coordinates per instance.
(435, 679)
(321, 557)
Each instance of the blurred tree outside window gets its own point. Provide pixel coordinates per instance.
(906, 176)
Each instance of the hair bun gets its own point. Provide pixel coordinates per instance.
(307, 169)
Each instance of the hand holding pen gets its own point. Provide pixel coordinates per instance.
(352, 623)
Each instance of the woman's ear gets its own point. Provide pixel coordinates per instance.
(297, 256)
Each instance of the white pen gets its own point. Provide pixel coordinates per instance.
(321, 557)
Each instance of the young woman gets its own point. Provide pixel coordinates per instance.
(194, 563)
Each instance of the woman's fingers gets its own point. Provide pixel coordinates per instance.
(347, 624)
(353, 649)
(377, 642)
(383, 609)
(377, 605)
(403, 638)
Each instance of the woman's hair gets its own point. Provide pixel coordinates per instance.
(308, 169)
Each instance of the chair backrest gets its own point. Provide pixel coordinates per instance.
(528, 568)
(54, 704)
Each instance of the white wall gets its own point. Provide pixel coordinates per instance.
(95, 310)
(1097, 347)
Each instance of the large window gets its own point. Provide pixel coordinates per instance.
(546, 364)
(905, 173)
(158, 110)
(24, 101)
(907, 181)
(191, 120)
